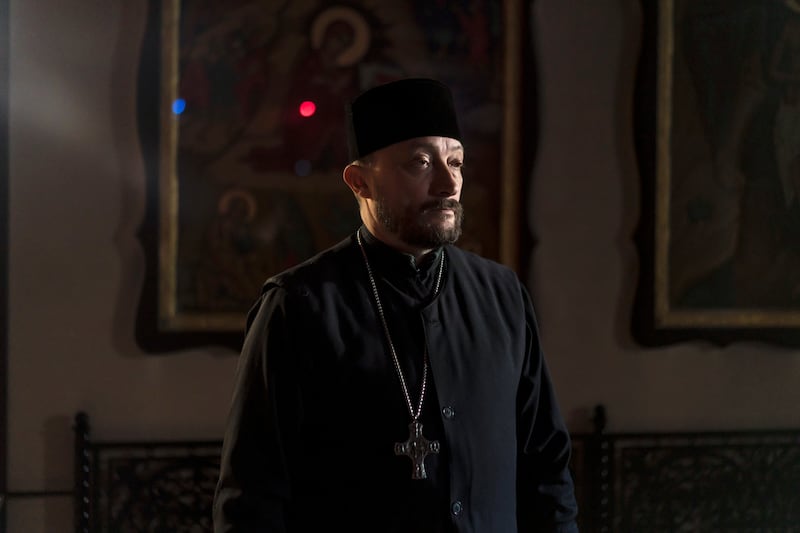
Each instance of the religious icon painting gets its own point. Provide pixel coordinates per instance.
(718, 138)
(242, 121)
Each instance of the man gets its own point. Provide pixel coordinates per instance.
(395, 382)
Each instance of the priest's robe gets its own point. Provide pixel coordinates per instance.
(318, 405)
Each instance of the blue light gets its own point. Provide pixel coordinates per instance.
(178, 106)
(302, 167)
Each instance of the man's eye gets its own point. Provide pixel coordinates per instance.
(421, 161)
(456, 163)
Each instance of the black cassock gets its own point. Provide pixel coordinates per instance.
(318, 406)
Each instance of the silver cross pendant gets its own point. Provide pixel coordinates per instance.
(417, 447)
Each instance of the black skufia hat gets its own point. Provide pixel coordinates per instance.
(398, 111)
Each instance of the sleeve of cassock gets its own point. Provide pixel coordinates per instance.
(254, 485)
(546, 496)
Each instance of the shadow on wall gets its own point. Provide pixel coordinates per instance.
(57, 476)
(132, 178)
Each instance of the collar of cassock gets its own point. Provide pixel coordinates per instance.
(401, 269)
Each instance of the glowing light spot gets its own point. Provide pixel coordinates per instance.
(302, 167)
(178, 106)
(308, 108)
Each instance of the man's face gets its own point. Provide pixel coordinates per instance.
(416, 188)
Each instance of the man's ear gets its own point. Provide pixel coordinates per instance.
(355, 178)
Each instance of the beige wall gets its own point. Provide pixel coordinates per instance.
(77, 197)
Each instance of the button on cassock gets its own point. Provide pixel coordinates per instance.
(456, 508)
(448, 412)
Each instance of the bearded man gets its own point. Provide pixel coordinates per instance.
(395, 382)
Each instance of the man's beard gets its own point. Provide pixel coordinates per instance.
(409, 227)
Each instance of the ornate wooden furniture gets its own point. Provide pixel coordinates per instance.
(625, 482)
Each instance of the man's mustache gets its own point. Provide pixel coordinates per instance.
(447, 203)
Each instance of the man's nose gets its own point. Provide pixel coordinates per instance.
(447, 181)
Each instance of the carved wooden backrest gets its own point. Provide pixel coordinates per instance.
(153, 487)
(654, 482)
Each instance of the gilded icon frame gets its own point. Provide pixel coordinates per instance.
(719, 210)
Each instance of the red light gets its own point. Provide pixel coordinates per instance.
(307, 108)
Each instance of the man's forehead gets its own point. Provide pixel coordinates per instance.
(437, 143)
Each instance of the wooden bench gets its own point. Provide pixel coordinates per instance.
(142, 486)
(625, 482)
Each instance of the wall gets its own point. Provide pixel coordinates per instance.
(77, 197)
(584, 210)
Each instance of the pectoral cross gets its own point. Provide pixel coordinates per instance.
(417, 447)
